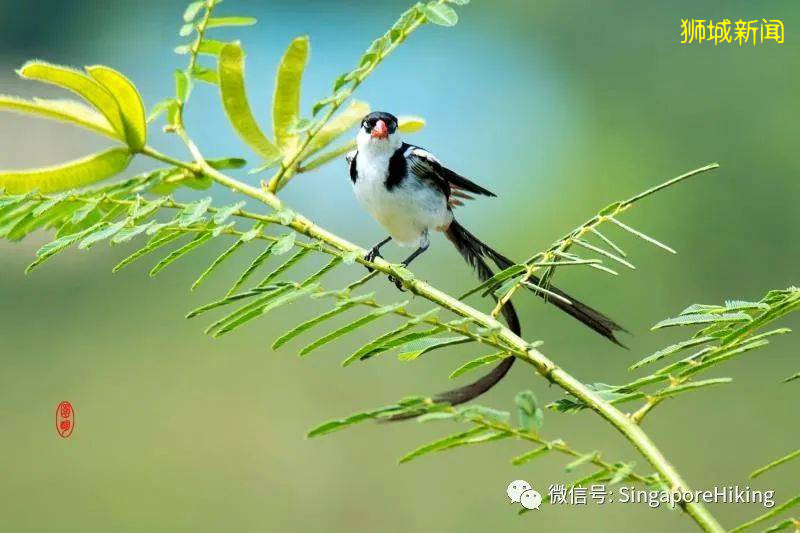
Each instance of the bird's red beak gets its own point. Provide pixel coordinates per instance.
(380, 130)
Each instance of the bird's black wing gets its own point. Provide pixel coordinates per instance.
(351, 162)
(424, 165)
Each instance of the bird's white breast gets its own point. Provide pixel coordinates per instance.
(407, 210)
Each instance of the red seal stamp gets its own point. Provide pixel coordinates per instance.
(65, 419)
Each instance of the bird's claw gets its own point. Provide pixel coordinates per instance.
(397, 282)
(371, 255)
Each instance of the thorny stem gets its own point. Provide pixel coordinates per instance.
(547, 368)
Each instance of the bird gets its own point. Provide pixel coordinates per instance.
(410, 193)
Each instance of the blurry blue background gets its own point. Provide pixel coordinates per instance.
(560, 108)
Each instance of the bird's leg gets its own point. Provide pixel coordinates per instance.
(375, 251)
(423, 245)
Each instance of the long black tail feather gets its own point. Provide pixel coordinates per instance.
(573, 307)
(474, 251)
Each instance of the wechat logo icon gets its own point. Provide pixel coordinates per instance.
(521, 492)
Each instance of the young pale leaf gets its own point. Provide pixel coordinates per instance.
(286, 98)
(70, 175)
(477, 363)
(192, 10)
(130, 103)
(63, 110)
(440, 14)
(180, 252)
(415, 349)
(206, 75)
(211, 47)
(186, 30)
(234, 100)
(410, 124)
(80, 84)
(227, 163)
(337, 126)
(169, 105)
(335, 153)
(230, 21)
(688, 320)
(792, 378)
(183, 86)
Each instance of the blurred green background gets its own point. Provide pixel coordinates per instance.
(560, 108)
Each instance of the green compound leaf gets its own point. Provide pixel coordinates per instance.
(220, 22)
(337, 126)
(130, 103)
(440, 14)
(82, 85)
(688, 320)
(286, 98)
(234, 100)
(63, 110)
(59, 245)
(70, 175)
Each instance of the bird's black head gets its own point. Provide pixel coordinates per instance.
(379, 124)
